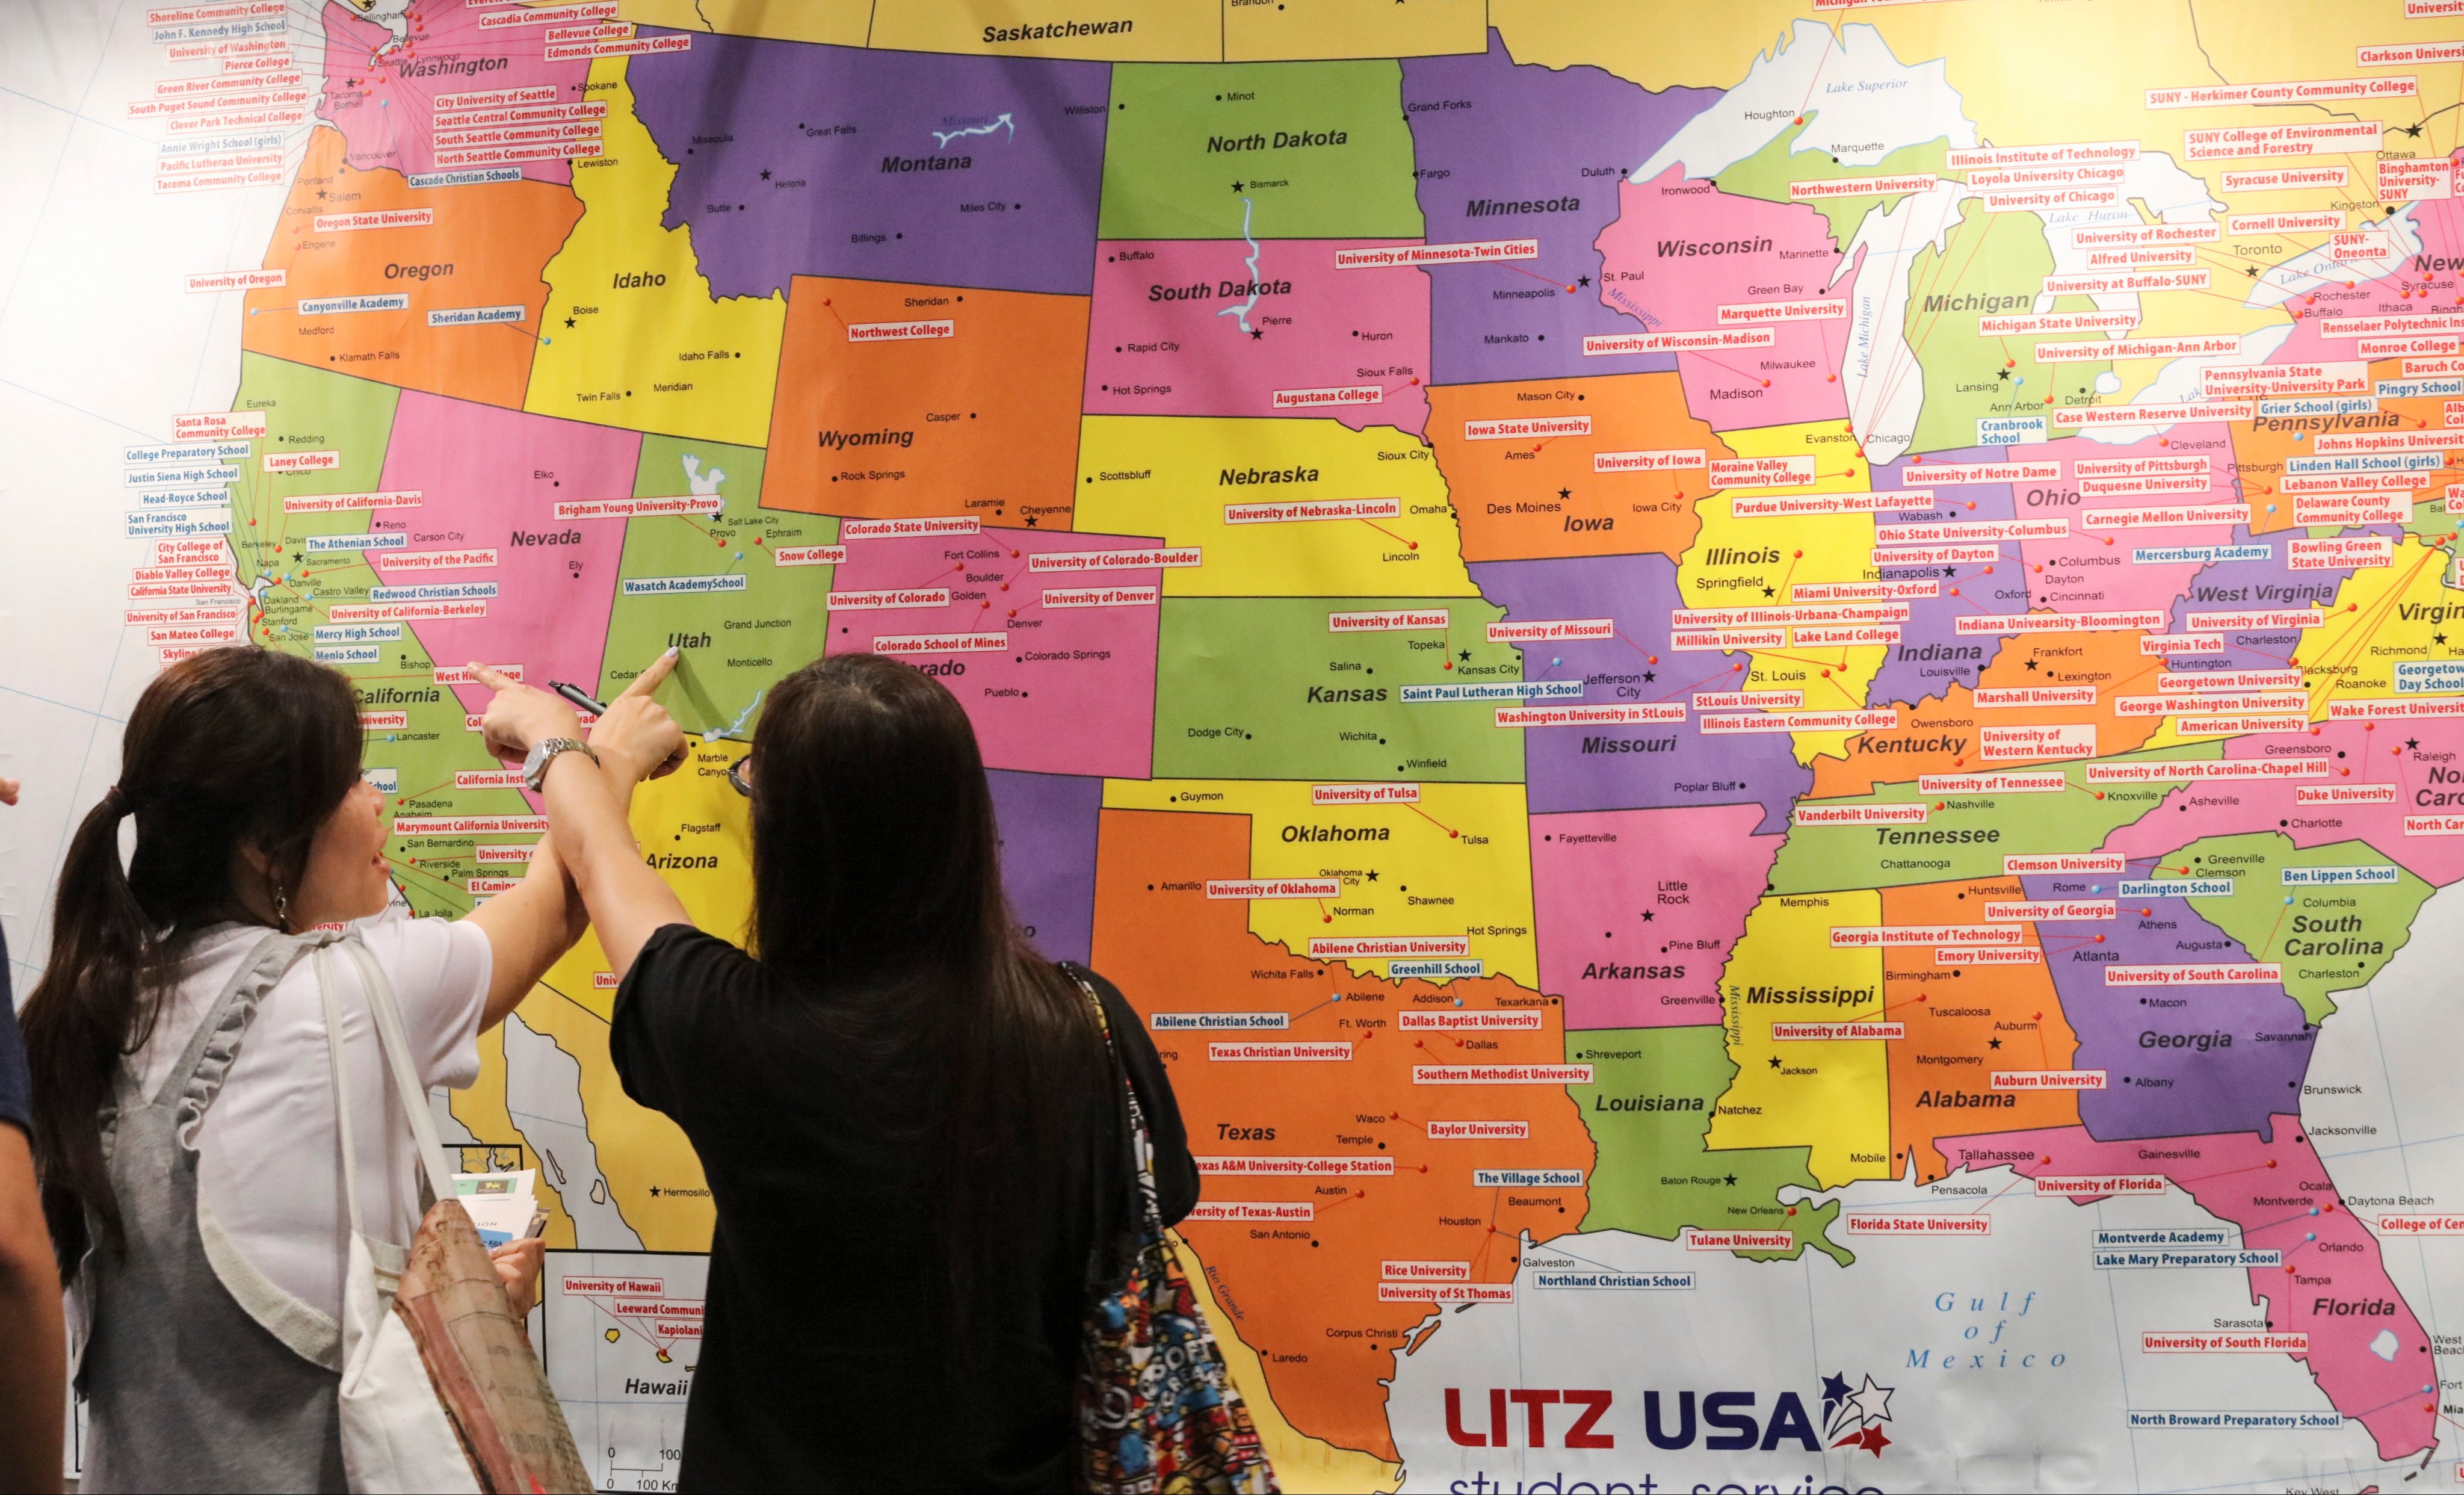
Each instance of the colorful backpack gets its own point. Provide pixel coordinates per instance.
(1156, 1408)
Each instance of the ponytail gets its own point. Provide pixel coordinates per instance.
(229, 748)
(100, 951)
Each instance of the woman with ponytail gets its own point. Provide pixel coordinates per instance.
(184, 1115)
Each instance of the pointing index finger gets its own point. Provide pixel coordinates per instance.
(489, 676)
(650, 679)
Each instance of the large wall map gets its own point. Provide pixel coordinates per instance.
(1767, 702)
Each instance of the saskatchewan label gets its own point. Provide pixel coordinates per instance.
(1500, 1074)
(1275, 887)
(1196, 1021)
(1306, 510)
(1267, 1052)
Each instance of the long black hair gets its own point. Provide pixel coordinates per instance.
(876, 870)
(229, 748)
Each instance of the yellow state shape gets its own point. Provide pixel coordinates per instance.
(697, 830)
(1830, 1094)
(653, 1173)
(1331, 29)
(1475, 883)
(1302, 1465)
(841, 23)
(1835, 548)
(649, 348)
(1174, 475)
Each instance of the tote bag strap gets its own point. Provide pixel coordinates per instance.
(393, 1046)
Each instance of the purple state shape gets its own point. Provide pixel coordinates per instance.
(2177, 1060)
(1486, 130)
(1931, 656)
(1047, 835)
(1636, 767)
(796, 158)
(2269, 586)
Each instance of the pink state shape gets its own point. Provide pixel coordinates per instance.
(2092, 570)
(1647, 272)
(1160, 344)
(1073, 692)
(383, 96)
(1623, 893)
(2332, 1285)
(484, 476)
(2372, 753)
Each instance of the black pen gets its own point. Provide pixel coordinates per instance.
(578, 697)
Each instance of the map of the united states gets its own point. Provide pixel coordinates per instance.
(1755, 699)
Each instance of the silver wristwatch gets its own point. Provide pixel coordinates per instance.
(543, 752)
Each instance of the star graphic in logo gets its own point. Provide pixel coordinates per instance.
(1835, 1390)
(1869, 1438)
(1873, 1403)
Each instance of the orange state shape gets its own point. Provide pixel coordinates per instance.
(1939, 735)
(2259, 456)
(1963, 1023)
(484, 246)
(1527, 499)
(976, 416)
(1306, 1294)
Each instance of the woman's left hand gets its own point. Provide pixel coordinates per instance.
(522, 715)
(517, 1264)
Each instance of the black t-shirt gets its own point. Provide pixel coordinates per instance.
(16, 1089)
(819, 1366)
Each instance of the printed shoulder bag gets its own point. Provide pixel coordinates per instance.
(1155, 1405)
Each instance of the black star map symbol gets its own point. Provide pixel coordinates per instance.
(2412, 742)
(1947, 571)
(1373, 876)
(2251, 270)
(1731, 1180)
(1582, 280)
(1236, 186)
(765, 175)
(2003, 374)
(2032, 663)
(1464, 655)
(1648, 676)
(1770, 591)
(1647, 915)
(568, 321)
(1257, 332)
(1774, 1061)
(2412, 131)
(2439, 638)
(1565, 493)
(1994, 1043)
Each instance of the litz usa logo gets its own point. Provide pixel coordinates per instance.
(1724, 1420)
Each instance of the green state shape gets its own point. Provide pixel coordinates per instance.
(2002, 258)
(2305, 927)
(432, 872)
(733, 646)
(306, 410)
(1238, 675)
(1767, 173)
(1970, 834)
(1652, 1175)
(1182, 135)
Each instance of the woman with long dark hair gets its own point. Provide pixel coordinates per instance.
(908, 1118)
(185, 1125)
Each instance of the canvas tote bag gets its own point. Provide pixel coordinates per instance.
(441, 1390)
